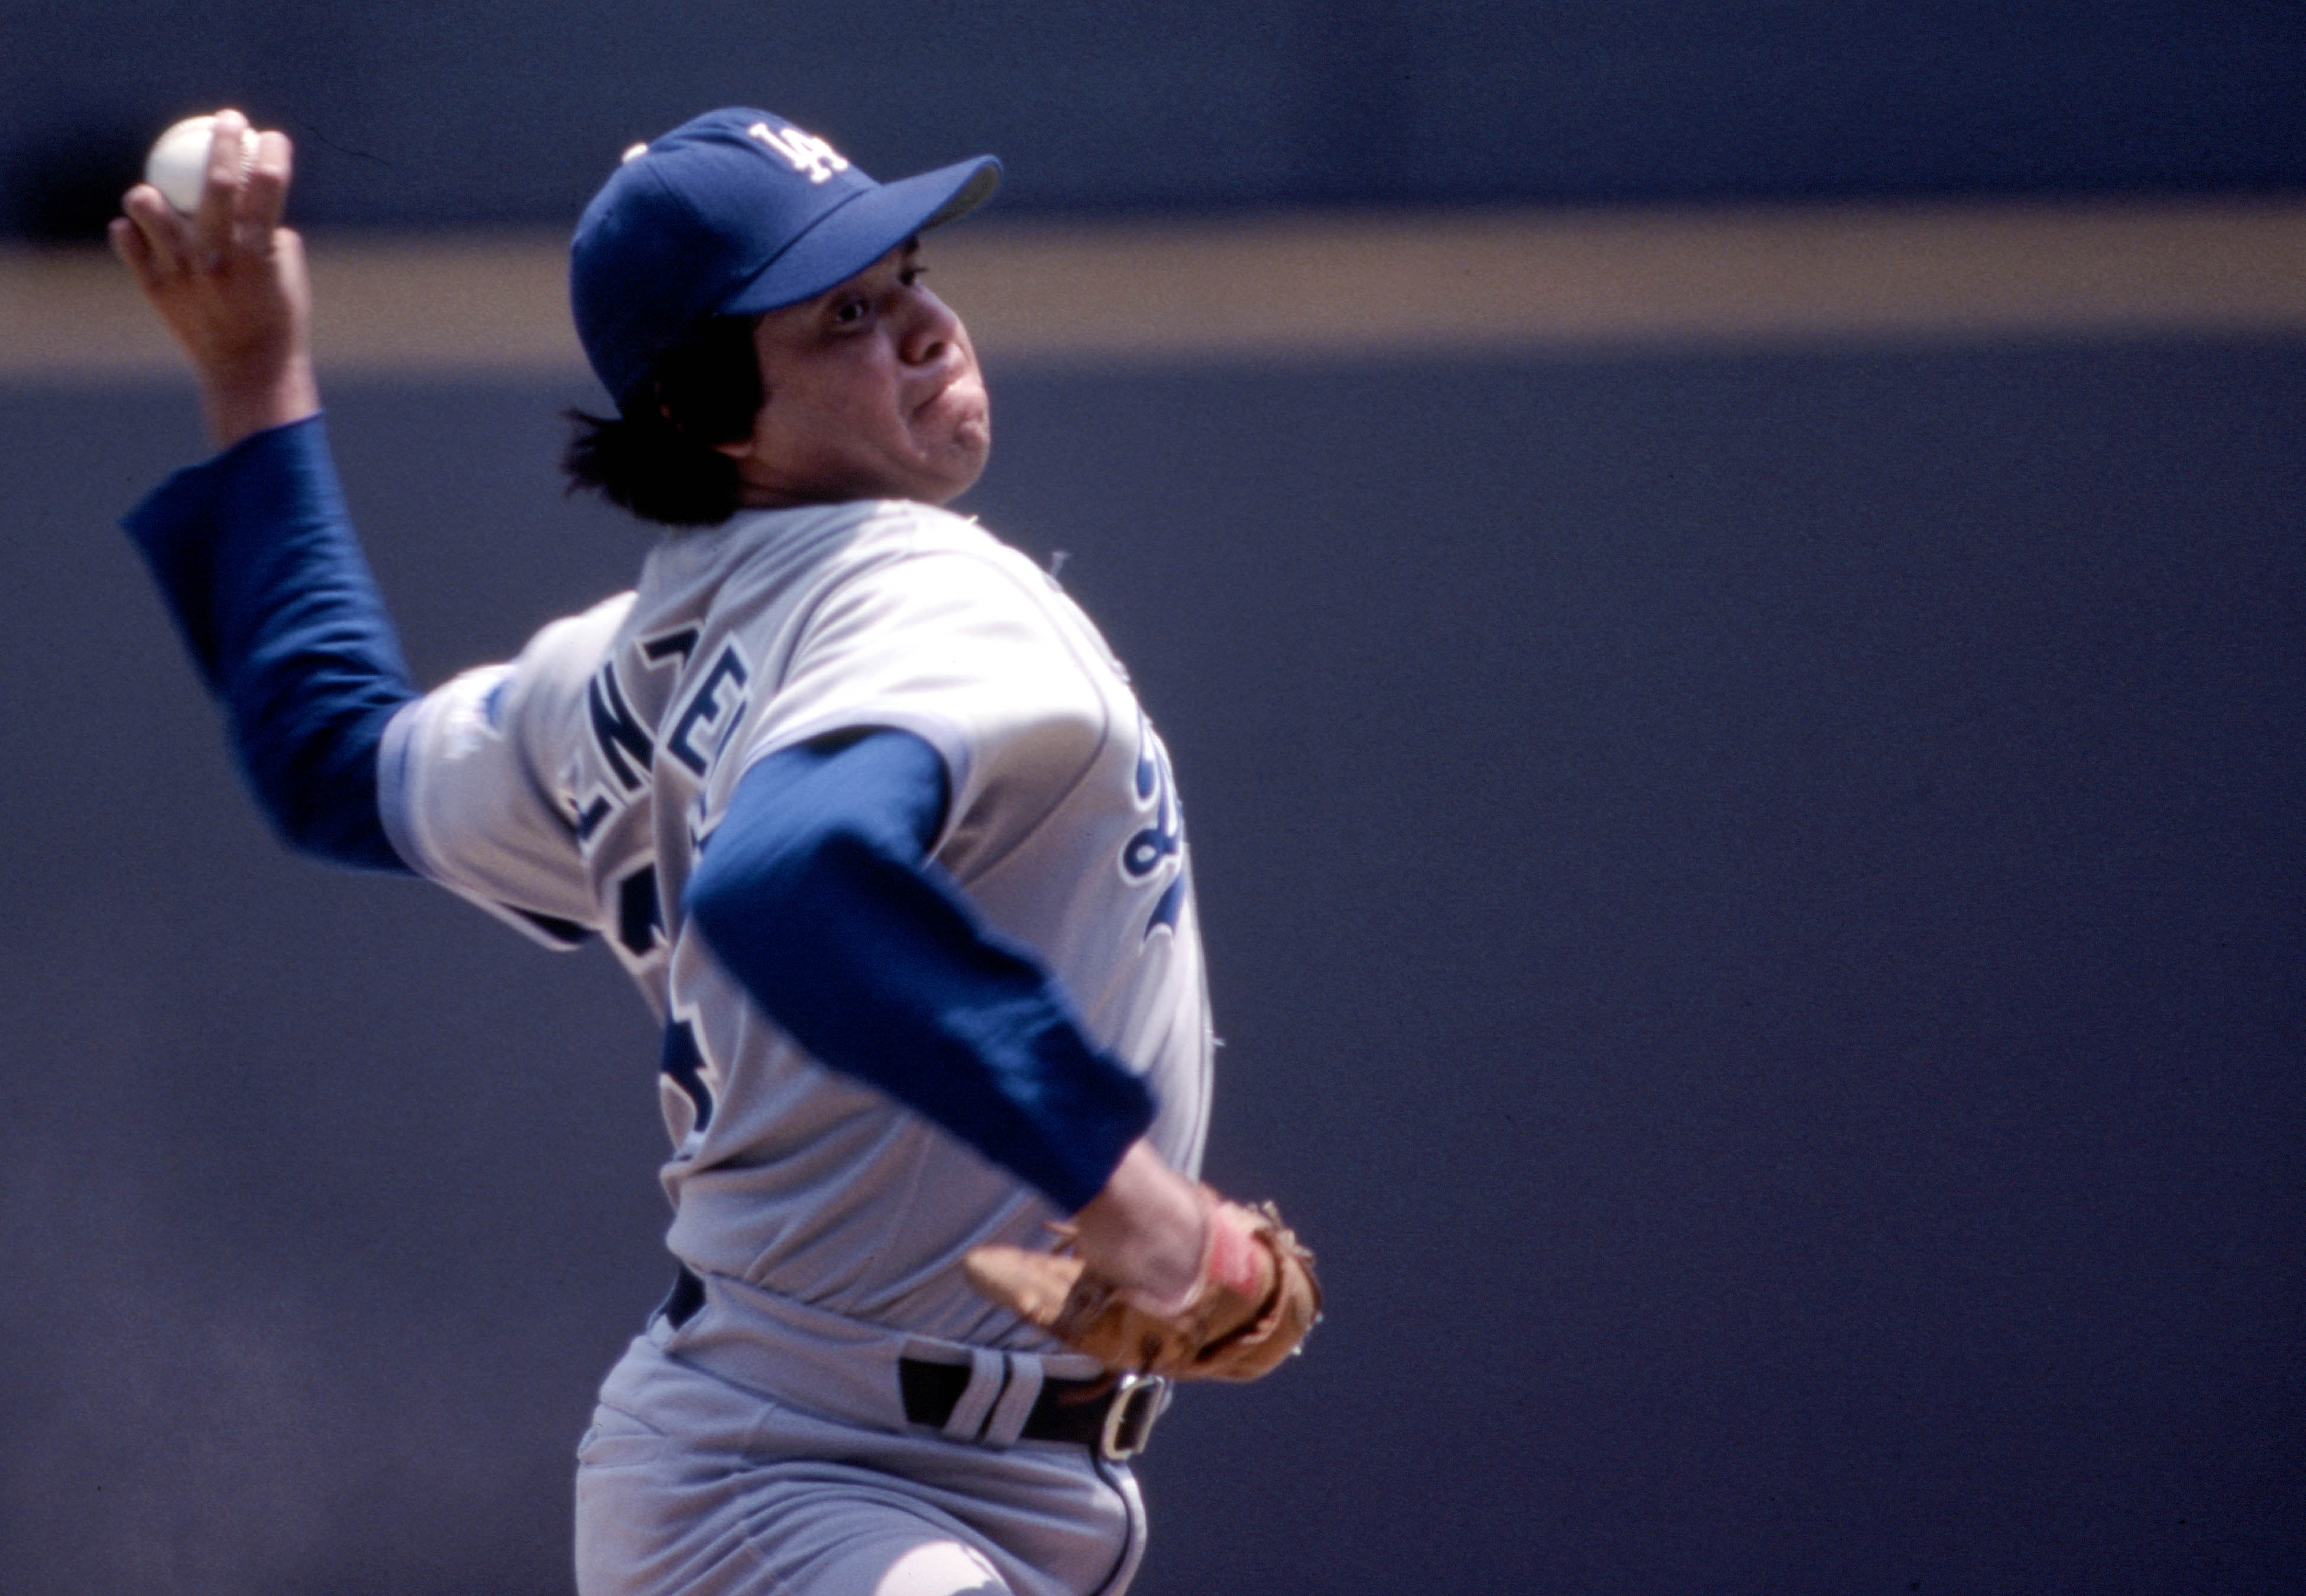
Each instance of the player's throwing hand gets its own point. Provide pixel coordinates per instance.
(230, 283)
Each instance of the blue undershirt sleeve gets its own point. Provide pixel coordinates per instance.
(816, 892)
(255, 555)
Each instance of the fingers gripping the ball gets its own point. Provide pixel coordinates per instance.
(263, 196)
(178, 164)
(1254, 1304)
(229, 280)
(227, 208)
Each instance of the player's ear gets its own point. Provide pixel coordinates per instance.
(745, 445)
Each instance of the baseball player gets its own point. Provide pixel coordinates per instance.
(866, 810)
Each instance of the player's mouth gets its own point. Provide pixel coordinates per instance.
(955, 412)
(958, 389)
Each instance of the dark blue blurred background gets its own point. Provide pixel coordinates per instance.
(1755, 895)
(438, 114)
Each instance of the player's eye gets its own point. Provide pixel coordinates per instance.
(912, 275)
(848, 313)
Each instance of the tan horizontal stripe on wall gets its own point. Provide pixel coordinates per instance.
(1297, 286)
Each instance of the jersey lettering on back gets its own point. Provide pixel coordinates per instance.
(619, 736)
(714, 711)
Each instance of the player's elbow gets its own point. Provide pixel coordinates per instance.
(722, 898)
(322, 799)
(307, 728)
(793, 916)
(750, 883)
(817, 836)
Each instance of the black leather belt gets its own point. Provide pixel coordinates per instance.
(688, 1295)
(1111, 1415)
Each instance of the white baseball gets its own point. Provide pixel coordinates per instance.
(178, 165)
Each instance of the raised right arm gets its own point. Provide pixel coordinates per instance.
(253, 550)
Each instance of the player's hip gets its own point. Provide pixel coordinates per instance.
(691, 1482)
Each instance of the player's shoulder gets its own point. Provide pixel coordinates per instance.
(962, 574)
(549, 672)
(841, 533)
(567, 649)
(928, 525)
(892, 565)
(945, 551)
(588, 631)
(762, 555)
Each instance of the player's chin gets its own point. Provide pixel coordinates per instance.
(950, 473)
(952, 456)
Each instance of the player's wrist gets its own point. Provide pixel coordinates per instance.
(1149, 1230)
(240, 399)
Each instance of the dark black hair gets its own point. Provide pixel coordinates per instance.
(655, 457)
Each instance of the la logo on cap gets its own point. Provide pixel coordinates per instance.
(806, 152)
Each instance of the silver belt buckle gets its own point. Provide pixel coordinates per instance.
(1136, 1401)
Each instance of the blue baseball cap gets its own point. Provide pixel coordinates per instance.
(734, 213)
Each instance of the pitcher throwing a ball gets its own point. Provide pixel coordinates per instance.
(865, 807)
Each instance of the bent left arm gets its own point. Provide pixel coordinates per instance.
(815, 893)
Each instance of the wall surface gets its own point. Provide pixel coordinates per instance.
(1754, 901)
(433, 112)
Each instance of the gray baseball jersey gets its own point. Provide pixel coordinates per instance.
(572, 789)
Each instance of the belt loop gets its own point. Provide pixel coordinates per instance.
(1017, 1399)
(987, 1371)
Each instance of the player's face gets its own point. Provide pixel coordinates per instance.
(873, 393)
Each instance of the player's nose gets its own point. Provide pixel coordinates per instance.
(931, 330)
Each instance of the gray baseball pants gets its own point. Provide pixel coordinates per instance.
(761, 1449)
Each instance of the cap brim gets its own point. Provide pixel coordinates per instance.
(847, 240)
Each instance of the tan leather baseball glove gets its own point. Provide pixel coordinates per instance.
(1255, 1302)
